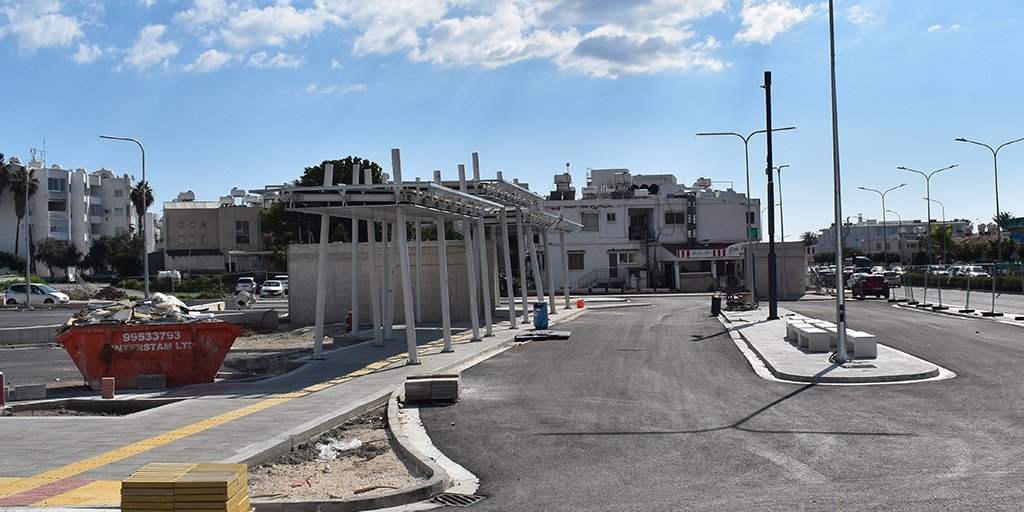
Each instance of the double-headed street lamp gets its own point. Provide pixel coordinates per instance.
(145, 256)
(944, 255)
(995, 169)
(928, 196)
(900, 218)
(746, 158)
(885, 230)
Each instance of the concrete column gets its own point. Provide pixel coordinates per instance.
(521, 241)
(355, 263)
(538, 282)
(485, 278)
(565, 269)
(403, 256)
(548, 271)
(321, 273)
(419, 266)
(442, 267)
(510, 290)
(495, 285)
(467, 230)
(374, 285)
(389, 279)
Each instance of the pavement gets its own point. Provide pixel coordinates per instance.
(788, 361)
(79, 461)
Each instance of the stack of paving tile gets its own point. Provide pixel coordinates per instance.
(186, 487)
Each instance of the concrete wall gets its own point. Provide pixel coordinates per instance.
(795, 267)
(302, 281)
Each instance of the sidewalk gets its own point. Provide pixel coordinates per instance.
(79, 461)
(785, 361)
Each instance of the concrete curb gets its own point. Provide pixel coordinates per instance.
(791, 377)
(1006, 318)
(35, 335)
(436, 484)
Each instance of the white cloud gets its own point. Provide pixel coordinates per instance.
(202, 13)
(274, 25)
(859, 15)
(87, 54)
(336, 65)
(314, 88)
(149, 49)
(210, 61)
(939, 28)
(934, 28)
(38, 24)
(390, 25)
(765, 19)
(608, 53)
(262, 60)
(147, 3)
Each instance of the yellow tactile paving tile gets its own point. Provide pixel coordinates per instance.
(95, 494)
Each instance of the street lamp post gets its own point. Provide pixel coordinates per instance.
(999, 226)
(885, 230)
(944, 252)
(900, 218)
(782, 229)
(142, 228)
(746, 158)
(928, 195)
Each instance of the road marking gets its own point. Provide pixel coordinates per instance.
(53, 481)
(98, 493)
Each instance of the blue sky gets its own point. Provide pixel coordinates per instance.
(247, 93)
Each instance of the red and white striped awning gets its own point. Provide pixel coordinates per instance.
(700, 254)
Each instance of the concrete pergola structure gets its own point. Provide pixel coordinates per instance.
(391, 205)
(525, 209)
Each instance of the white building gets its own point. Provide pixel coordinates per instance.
(73, 205)
(868, 236)
(647, 231)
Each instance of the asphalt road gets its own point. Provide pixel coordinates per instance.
(39, 316)
(656, 409)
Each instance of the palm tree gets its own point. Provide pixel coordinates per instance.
(5, 176)
(809, 238)
(1002, 218)
(18, 180)
(140, 191)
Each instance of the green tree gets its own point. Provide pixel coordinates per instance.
(104, 252)
(142, 199)
(1002, 218)
(57, 253)
(809, 238)
(18, 180)
(6, 169)
(281, 227)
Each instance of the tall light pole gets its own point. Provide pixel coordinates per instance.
(900, 217)
(944, 255)
(837, 186)
(142, 228)
(995, 170)
(749, 220)
(928, 195)
(782, 229)
(885, 230)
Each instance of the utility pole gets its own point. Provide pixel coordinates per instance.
(773, 291)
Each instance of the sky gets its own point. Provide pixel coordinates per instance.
(228, 93)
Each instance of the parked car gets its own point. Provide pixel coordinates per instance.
(246, 284)
(893, 279)
(877, 269)
(970, 271)
(41, 294)
(937, 270)
(855, 278)
(284, 282)
(871, 284)
(272, 288)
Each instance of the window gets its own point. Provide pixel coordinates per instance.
(57, 184)
(57, 206)
(589, 221)
(610, 217)
(119, 212)
(202, 224)
(627, 258)
(241, 231)
(191, 239)
(202, 239)
(118, 193)
(95, 209)
(192, 224)
(181, 224)
(751, 218)
(181, 239)
(58, 225)
(576, 260)
(675, 217)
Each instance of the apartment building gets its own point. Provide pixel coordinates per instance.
(648, 231)
(73, 205)
(213, 236)
(903, 237)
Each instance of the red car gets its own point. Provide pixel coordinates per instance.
(873, 284)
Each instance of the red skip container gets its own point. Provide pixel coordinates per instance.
(187, 353)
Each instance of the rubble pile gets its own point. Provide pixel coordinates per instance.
(158, 308)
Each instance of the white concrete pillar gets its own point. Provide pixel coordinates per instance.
(403, 256)
(355, 263)
(321, 273)
(510, 290)
(467, 230)
(548, 271)
(484, 277)
(565, 270)
(389, 278)
(442, 272)
(535, 262)
(521, 241)
(374, 285)
(419, 266)
(495, 285)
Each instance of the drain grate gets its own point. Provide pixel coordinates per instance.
(451, 499)
(859, 365)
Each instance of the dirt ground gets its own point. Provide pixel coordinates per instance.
(301, 338)
(371, 469)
